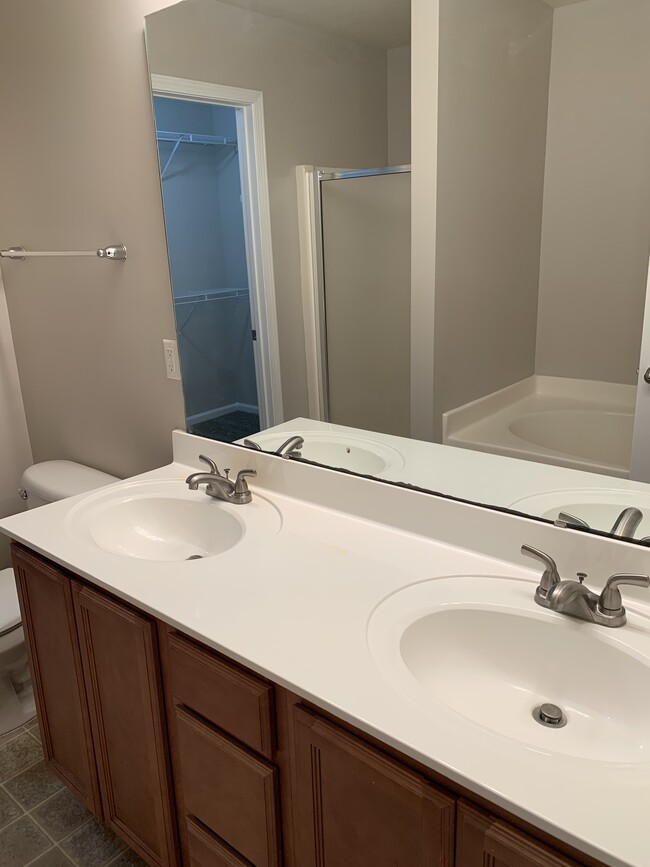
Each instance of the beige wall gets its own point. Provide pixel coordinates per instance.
(325, 103)
(15, 451)
(399, 106)
(596, 225)
(78, 146)
(493, 79)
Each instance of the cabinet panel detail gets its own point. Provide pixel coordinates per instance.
(234, 700)
(51, 633)
(120, 658)
(207, 850)
(229, 790)
(484, 841)
(356, 806)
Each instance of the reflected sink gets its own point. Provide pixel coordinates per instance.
(335, 449)
(477, 648)
(165, 521)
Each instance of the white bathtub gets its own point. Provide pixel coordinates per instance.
(582, 424)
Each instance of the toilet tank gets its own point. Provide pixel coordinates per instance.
(55, 480)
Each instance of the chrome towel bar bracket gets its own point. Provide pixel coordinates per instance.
(113, 251)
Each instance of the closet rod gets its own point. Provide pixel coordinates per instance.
(114, 251)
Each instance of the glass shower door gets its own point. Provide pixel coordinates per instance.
(366, 226)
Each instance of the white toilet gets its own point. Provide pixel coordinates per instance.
(41, 484)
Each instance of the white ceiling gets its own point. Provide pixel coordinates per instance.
(384, 23)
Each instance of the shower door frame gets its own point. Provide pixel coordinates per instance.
(640, 458)
(257, 226)
(312, 266)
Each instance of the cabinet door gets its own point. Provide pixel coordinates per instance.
(119, 654)
(49, 623)
(484, 841)
(355, 806)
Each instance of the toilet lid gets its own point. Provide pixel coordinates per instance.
(9, 608)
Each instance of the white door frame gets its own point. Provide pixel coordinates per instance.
(257, 226)
(640, 462)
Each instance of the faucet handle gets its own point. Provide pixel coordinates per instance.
(213, 467)
(550, 576)
(571, 521)
(241, 486)
(610, 601)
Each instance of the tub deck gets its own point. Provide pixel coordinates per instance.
(576, 423)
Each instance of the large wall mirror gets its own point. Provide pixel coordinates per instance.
(284, 137)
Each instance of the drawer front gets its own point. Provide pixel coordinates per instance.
(235, 701)
(207, 850)
(229, 790)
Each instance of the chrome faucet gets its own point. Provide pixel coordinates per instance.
(625, 526)
(291, 447)
(220, 486)
(574, 599)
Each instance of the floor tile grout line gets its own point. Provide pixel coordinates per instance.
(22, 771)
(9, 795)
(34, 860)
(74, 831)
(49, 798)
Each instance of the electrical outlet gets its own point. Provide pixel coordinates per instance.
(171, 359)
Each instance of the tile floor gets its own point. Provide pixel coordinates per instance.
(41, 823)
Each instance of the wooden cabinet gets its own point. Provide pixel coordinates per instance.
(123, 700)
(485, 841)
(223, 738)
(355, 806)
(99, 697)
(229, 790)
(120, 661)
(49, 623)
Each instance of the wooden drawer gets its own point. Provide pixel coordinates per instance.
(234, 700)
(230, 790)
(207, 850)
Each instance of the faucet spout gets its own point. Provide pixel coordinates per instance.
(627, 522)
(574, 599)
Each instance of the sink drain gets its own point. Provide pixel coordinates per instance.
(195, 557)
(550, 715)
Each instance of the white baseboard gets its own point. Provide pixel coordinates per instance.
(221, 410)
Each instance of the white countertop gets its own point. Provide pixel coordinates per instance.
(522, 485)
(296, 607)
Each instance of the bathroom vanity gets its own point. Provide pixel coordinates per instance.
(246, 708)
(127, 705)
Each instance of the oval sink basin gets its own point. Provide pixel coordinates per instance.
(476, 647)
(165, 521)
(599, 507)
(334, 449)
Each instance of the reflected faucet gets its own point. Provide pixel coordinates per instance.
(625, 526)
(291, 448)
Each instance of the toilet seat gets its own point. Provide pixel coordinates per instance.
(9, 607)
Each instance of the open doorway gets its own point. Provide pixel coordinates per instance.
(219, 250)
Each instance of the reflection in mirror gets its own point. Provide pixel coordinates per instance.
(543, 224)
